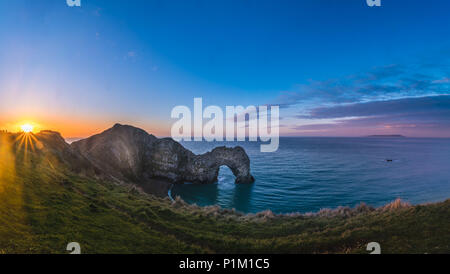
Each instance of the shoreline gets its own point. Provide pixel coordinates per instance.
(340, 211)
(397, 203)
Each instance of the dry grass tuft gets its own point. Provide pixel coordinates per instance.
(397, 204)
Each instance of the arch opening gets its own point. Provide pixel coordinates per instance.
(225, 175)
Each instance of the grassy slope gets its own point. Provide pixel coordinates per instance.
(44, 208)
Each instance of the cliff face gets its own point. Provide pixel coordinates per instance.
(119, 151)
(131, 154)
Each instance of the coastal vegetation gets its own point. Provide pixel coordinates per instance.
(44, 208)
(45, 204)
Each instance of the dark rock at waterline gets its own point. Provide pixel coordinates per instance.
(132, 155)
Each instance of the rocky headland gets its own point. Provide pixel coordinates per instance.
(131, 155)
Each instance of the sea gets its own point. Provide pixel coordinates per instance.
(307, 174)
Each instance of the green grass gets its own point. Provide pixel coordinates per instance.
(43, 207)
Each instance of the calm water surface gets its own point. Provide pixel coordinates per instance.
(307, 174)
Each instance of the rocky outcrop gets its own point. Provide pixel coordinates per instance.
(131, 154)
(119, 151)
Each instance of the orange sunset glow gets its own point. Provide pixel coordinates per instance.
(76, 128)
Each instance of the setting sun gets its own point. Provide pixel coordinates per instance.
(27, 128)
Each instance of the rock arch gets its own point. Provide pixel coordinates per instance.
(205, 168)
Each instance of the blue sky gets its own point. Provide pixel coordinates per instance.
(81, 69)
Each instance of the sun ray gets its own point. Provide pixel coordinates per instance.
(26, 141)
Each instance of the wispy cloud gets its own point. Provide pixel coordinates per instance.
(416, 116)
(420, 105)
(413, 97)
(444, 80)
(381, 83)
